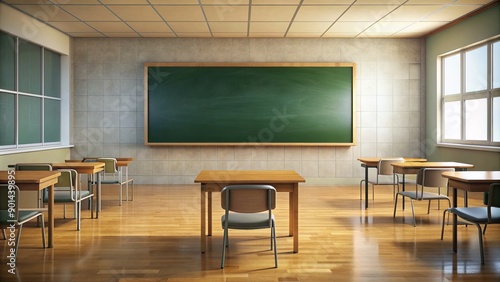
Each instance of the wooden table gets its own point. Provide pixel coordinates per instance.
(89, 168)
(469, 181)
(373, 163)
(282, 180)
(37, 181)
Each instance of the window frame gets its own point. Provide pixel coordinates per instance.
(489, 94)
(42, 96)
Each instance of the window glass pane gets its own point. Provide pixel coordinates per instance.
(476, 119)
(52, 74)
(7, 61)
(496, 65)
(7, 116)
(452, 77)
(452, 120)
(30, 114)
(496, 119)
(476, 69)
(30, 64)
(52, 120)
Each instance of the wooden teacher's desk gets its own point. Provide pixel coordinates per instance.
(282, 180)
(469, 181)
(36, 181)
(373, 163)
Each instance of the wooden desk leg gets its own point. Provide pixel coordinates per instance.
(209, 214)
(366, 186)
(51, 216)
(203, 220)
(454, 204)
(295, 205)
(98, 193)
(290, 213)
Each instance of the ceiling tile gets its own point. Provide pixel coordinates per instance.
(275, 2)
(136, 13)
(340, 34)
(28, 2)
(128, 2)
(178, 13)
(72, 26)
(47, 12)
(228, 27)
(273, 27)
(304, 34)
(351, 27)
(366, 13)
(226, 13)
(90, 13)
(386, 28)
(191, 27)
(121, 34)
(318, 27)
(411, 12)
(229, 34)
(266, 34)
(86, 34)
(174, 2)
(421, 28)
(110, 27)
(77, 2)
(449, 13)
(156, 27)
(379, 2)
(272, 13)
(157, 34)
(194, 34)
(327, 2)
(320, 13)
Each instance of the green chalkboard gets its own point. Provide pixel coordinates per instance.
(239, 104)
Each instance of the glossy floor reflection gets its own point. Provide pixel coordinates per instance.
(156, 238)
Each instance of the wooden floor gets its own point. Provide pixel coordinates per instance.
(156, 238)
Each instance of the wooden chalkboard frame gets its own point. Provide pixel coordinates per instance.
(248, 65)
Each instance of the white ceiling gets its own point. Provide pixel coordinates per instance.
(248, 18)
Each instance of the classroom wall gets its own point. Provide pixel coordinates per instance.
(475, 29)
(108, 104)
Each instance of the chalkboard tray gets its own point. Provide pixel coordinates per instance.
(273, 104)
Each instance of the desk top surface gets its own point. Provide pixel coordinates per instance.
(249, 176)
(432, 165)
(78, 165)
(25, 176)
(371, 160)
(473, 176)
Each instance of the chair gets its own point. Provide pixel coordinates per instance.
(67, 191)
(10, 215)
(426, 177)
(480, 215)
(113, 176)
(248, 207)
(385, 176)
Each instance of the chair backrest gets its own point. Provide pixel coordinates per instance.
(384, 165)
(109, 165)
(432, 177)
(248, 198)
(33, 166)
(67, 181)
(9, 201)
(494, 195)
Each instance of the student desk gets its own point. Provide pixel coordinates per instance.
(373, 163)
(282, 180)
(37, 181)
(469, 181)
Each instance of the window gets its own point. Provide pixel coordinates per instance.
(470, 95)
(30, 94)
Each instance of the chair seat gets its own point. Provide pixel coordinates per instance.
(247, 220)
(476, 214)
(65, 196)
(426, 196)
(23, 216)
(382, 182)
